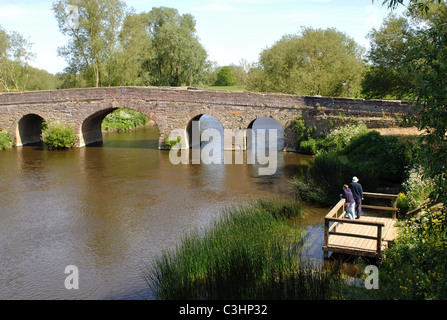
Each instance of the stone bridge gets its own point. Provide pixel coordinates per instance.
(21, 114)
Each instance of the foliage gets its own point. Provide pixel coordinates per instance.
(110, 45)
(15, 53)
(415, 266)
(374, 155)
(5, 140)
(168, 143)
(177, 57)
(417, 187)
(388, 76)
(336, 140)
(347, 151)
(225, 77)
(429, 103)
(58, 136)
(251, 252)
(313, 62)
(92, 30)
(123, 120)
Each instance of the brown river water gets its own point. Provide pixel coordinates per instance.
(109, 209)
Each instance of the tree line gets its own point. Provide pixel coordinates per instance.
(110, 44)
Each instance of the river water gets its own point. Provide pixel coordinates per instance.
(109, 209)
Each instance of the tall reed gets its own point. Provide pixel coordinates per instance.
(251, 252)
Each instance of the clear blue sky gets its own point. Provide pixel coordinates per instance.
(230, 30)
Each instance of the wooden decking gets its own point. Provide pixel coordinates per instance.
(366, 236)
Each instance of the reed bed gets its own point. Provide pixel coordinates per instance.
(251, 252)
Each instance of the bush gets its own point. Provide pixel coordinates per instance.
(348, 151)
(375, 156)
(58, 136)
(417, 188)
(415, 267)
(168, 143)
(5, 140)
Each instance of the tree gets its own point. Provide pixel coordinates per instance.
(225, 77)
(428, 68)
(15, 53)
(313, 62)
(387, 76)
(93, 29)
(177, 56)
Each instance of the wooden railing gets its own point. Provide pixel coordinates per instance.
(392, 197)
(337, 216)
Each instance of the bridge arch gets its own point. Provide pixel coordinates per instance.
(211, 122)
(29, 129)
(90, 130)
(266, 122)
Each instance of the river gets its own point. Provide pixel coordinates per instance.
(109, 209)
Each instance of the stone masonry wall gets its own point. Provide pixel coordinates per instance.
(173, 108)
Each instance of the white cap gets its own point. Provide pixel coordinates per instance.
(355, 179)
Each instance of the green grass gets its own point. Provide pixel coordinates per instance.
(124, 120)
(251, 252)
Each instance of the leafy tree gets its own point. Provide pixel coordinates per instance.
(388, 77)
(92, 28)
(313, 62)
(177, 57)
(225, 77)
(428, 68)
(15, 53)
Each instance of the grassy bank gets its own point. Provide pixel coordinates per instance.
(251, 252)
(124, 120)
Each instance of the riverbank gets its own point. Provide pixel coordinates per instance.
(123, 119)
(251, 252)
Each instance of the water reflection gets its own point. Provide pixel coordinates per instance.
(108, 209)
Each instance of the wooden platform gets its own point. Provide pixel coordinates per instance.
(366, 236)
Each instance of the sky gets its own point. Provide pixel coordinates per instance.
(230, 30)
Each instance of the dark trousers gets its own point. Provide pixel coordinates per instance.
(358, 207)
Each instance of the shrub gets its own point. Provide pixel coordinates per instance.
(415, 267)
(5, 140)
(417, 187)
(168, 143)
(376, 156)
(59, 136)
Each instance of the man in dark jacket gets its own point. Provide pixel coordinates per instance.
(357, 192)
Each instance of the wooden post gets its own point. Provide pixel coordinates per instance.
(326, 237)
(394, 214)
(379, 239)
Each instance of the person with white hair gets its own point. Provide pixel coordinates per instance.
(357, 192)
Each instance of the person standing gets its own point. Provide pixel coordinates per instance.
(350, 202)
(357, 192)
